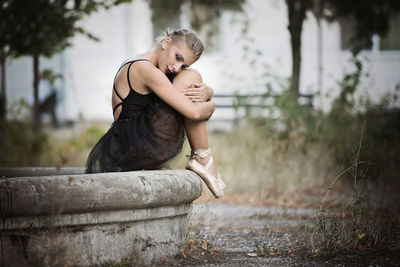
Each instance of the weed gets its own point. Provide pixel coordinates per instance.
(126, 262)
(357, 227)
(195, 241)
(264, 249)
(21, 146)
(284, 212)
(277, 242)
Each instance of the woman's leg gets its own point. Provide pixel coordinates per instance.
(196, 131)
(197, 136)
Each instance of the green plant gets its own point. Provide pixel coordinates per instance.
(329, 232)
(284, 212)
(125, 262)
(264, 248)
(299, 129)
(358, 225)
(19, 144)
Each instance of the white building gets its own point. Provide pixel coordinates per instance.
(234, 63)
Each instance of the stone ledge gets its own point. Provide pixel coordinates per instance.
(94, 219)
(102, 217)
(63, 194)
(39, 171)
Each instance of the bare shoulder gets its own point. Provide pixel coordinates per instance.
(146, 70)
(146, 67)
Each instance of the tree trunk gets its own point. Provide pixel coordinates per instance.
(296, 15)
(3, 96)
(318, 16)
(36, 114)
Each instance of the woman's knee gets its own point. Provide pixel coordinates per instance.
(188, 76)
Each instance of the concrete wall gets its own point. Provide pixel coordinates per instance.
(94, 219)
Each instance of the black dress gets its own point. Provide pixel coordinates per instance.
(146, 135)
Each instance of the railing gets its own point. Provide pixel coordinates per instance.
(238, 102)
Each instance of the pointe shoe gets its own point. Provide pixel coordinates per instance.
(220, 182)
(215, 184)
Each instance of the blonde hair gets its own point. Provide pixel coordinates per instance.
(183, 36)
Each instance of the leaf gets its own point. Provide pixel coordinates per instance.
(192, 243)
(204, 244)
(252, 254)
(182, 253)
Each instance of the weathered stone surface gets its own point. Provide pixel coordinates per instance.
(93, 219)
(39, 171)
(51, 195)
(98, 243)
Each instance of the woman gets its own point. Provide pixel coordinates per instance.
(151, 112)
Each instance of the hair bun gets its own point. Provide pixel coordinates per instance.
(184, 36)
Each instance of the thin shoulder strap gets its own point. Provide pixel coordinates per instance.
(116, 92)
(129, 82)
(130, 62)
(115, 89)
(127, 73)
(116, 106)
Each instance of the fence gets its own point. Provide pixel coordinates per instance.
(230, 107)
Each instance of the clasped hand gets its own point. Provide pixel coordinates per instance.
(198, 92)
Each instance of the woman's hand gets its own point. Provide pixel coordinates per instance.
(198, 92)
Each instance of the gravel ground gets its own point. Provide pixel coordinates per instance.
(228, 235)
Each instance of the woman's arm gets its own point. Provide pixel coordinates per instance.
(198, 92)
(160, 85)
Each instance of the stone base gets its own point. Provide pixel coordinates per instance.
(141, 240)
(92, 220)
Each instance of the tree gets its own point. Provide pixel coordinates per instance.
(42, 28)
(369, 16)
(165, 10)
(296, 14)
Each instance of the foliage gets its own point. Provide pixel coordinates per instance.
(338, 130)
(358, 226)
(126, 262)
(21, 146)
(162, 8)
(86, 139)
(201, 13)
(51, 76)
(41, 28)
(341, 127)
(369, 17)
(265, 249)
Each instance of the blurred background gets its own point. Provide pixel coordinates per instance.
(306, 91)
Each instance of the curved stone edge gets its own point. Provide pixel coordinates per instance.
(39, 171)
(64, 194)
(94, 218)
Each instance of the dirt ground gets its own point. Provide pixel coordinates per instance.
(226, 233)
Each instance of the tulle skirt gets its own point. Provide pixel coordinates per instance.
(145, 141)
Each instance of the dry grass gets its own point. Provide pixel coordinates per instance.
(263, 167)
(260, 169)
(250, 162)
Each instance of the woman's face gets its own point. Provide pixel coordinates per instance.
(174, 58)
